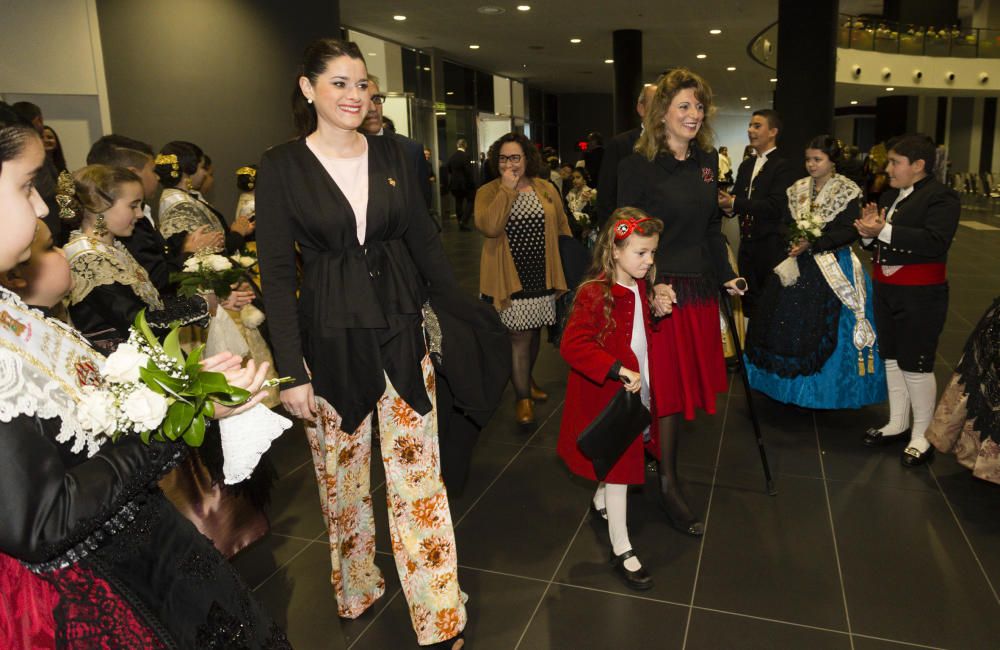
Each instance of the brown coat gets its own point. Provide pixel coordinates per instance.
(497, 275)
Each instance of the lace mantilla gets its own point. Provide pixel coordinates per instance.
(831, 200)
(182, 213)
(44, 365)
(96, 264)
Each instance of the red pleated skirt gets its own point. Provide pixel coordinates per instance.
(686, 364)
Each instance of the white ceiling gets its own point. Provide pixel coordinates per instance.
(534, 46)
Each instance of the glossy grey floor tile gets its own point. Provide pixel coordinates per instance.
(713, 630)
(579, 618)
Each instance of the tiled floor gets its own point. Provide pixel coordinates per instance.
(854, 552)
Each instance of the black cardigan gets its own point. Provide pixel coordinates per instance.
(357, 317)
(923, 225)
(684, 195)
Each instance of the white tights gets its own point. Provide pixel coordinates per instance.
(615, 498)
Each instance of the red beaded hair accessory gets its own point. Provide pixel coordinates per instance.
(625, 227)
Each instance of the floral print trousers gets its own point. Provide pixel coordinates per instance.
(423, 539)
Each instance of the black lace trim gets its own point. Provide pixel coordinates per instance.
(118, 514)
(794, 329)
(223, 630)
(691, 289)
(979, 369)
(187, 311)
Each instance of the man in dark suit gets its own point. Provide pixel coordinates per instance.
(375, 124)
(462, 183)
(909, 235)
(620, 147)
(761, 205)
(593, 157)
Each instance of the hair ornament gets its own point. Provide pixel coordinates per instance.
(164, 159)
(65, 194)
(625, 227)
(246, 171)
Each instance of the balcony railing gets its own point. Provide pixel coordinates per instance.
(877, 35)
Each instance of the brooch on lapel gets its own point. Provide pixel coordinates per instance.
(707, 175)
(392, 181)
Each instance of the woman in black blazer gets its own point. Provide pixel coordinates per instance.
(353, 337)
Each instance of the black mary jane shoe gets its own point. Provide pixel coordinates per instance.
(639, 580)
(689, 526)
(598, 512)
(875, 438)
(913, 458)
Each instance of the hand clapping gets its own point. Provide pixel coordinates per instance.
(871, 222)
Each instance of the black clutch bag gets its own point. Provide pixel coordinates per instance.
(610, 434)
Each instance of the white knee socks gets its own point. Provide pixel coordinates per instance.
(899, 400)
(616, 500)
(599, 501)
(922, 388)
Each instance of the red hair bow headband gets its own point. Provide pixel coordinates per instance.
(625, 227)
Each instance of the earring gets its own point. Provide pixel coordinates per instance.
(187, 181)
(310, 101)
(100, 226)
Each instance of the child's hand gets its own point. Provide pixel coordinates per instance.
(664, 300)
(631, 379)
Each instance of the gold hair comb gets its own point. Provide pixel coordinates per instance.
(246, 171)
(65, 191)
(164, 159)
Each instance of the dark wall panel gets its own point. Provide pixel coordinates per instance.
(218, 73)
(579, 114)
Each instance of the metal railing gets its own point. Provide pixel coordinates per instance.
(878, 35)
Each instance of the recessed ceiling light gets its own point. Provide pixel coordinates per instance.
(889, 89)
(524, 7)
(399, 18)
(609, 60)
(731, 68)
(715, 31)
(473, 47)
(372, 54)
(450, 92)
(701, 56)
(426, 69)
(743, 99)
(491, 10)
(854, 102)
(774, 79)
(575, 41)
(747, 106)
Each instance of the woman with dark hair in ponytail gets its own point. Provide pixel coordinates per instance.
(351, 335)
(812, 340)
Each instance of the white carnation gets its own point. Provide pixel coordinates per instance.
(145, 408)
(122, 366)
(191, 264)
(96, 411)
(817, 232)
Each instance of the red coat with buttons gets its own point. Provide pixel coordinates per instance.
(589, 389)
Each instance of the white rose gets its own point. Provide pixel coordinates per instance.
(817, 232)
(218, 263)
(802, 224)
(244, 260)
(145, 408)
(191, 264)
(122, 366)
(96, 411)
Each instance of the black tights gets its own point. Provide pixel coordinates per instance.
(670, 485)
(524, 345)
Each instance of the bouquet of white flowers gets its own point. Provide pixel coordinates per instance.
(246, 260)
(209, 272)
(153, 390)
(808, 227)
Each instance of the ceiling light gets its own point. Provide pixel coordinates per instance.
(715, 31)
(774, 79)
(747, 106)
(426, 69)
(524, 7)
(441, 113)
(473, 47)
(731, 68)
(701, 56)
(372, 54)
(854, 102)
(399, 18)
(889, 89)
(609, 60)
(575, 41)
(491, 10)
(450, 92)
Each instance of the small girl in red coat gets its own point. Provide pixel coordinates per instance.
(604, 344)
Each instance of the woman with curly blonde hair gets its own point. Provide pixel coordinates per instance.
(673, 176)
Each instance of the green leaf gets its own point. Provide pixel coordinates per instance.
(193, 365)
(213, 382)
(161, 382)
(172, 345)
(178, 420)
(143, 327)
(195, 434)
(144, 436)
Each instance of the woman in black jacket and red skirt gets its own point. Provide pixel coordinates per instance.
(673, 176)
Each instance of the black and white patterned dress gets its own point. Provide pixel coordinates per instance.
(535, 304)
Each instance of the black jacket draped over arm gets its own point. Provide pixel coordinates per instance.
(357, 317)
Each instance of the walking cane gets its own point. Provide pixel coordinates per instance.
(727, 310)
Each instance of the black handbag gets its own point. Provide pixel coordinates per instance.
(610, 434)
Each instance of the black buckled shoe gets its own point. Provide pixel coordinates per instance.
(639, 580)
(875, 438)
(678, 513)
(913, 458)
(598, 512)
